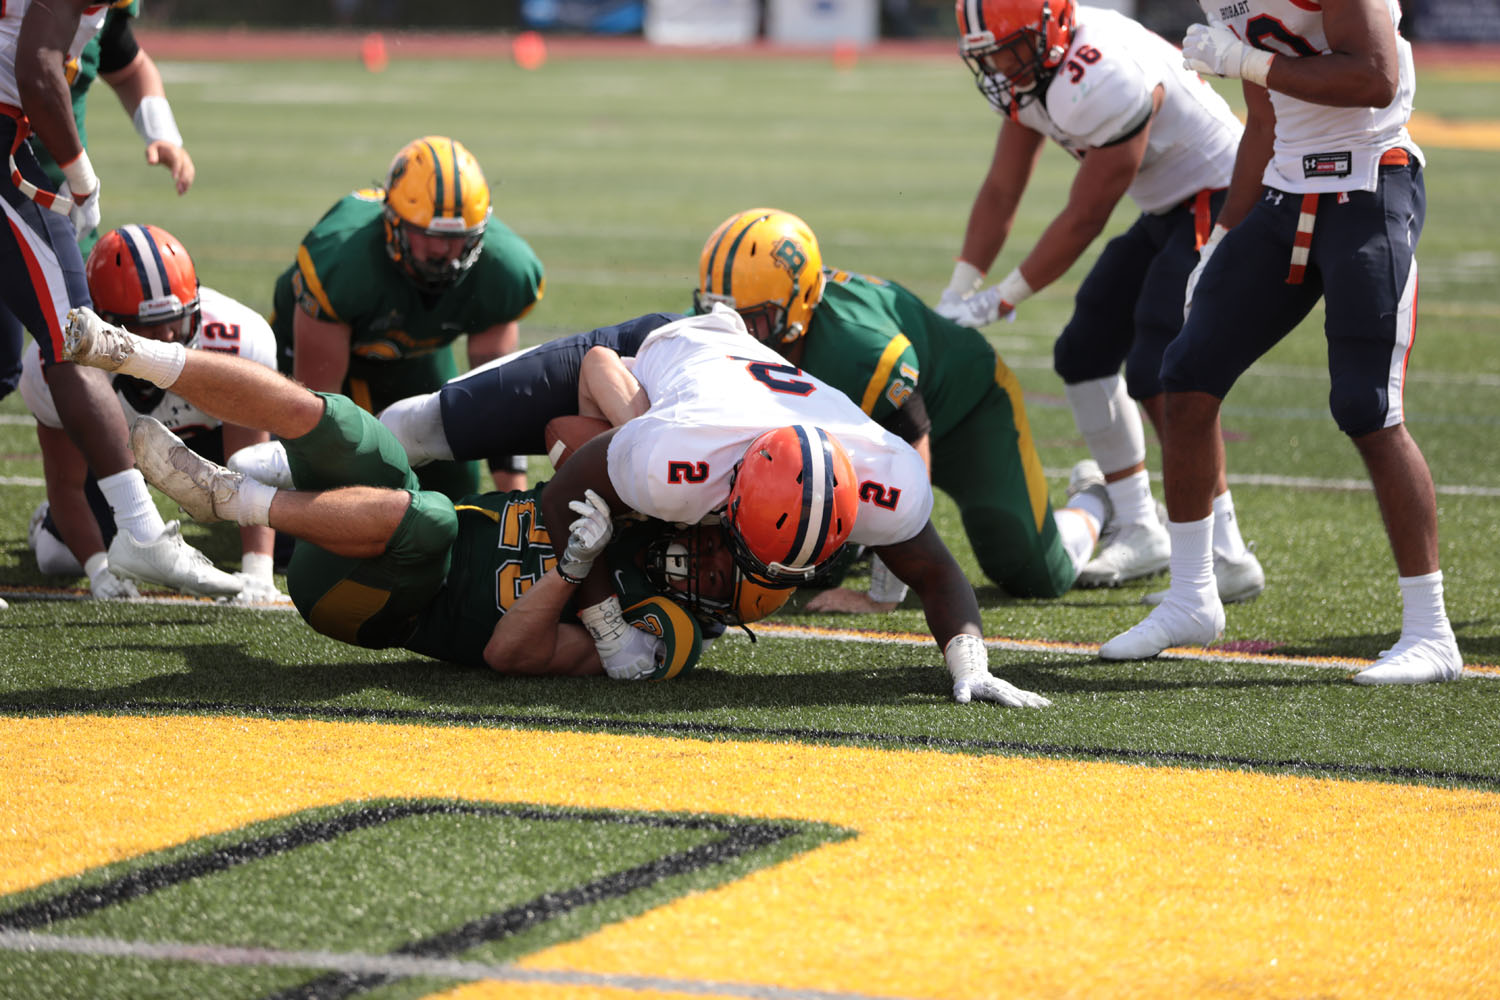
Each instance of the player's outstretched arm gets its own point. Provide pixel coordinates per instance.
(925, 564)
(529, 639)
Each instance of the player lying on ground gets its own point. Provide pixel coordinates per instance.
(142, 278)
(794, 469)
(381, 562)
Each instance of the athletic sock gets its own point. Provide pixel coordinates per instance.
(1132, 499)
(1227, 540)
(1423, 613)
(132, 505)
(158, 362)
(1192, 561)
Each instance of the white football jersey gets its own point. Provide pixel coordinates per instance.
(227, 326)
(1320, 148)
(714, 389)
(1102, 93)
(11, 12)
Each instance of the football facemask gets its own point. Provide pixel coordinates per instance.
(697, 567)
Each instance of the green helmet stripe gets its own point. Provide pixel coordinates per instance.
(734, 248)
(437, 180)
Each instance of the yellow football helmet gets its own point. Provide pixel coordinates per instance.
(765, 265)
(435, 187)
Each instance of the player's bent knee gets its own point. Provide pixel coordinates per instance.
(1357, 409)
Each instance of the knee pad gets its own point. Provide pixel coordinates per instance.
(1109, 421)
(1358, 406)
(417, 423)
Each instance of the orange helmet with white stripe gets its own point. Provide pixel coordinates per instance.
(1014, 47)
(142, 276)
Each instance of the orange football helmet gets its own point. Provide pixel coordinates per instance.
(697, 567)
(765, 265)
(1013, 47)
(142, 276)
(435, 187)
(792, 502)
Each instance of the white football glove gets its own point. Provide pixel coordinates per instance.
(85, 212)
(628, 653)
(1214, 49)
(968, 664)
(258, 576)
(587, 536)
(104, 585)
(1203, 255)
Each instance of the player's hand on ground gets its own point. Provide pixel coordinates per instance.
(844, 601)
(637, 656)
(587, 536)
(257, 590)
(988, 687)
(968, 665)
(104, 585)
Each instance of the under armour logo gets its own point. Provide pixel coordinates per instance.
(1274, 197)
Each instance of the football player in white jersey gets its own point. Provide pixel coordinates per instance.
(790, 465)
(41, 274)
(1327, 201)
(1116, 97)
(143, 278)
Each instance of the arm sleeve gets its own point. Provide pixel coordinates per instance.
(909, 422)
(117, 44)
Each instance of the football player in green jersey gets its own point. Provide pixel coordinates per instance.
(938, 385)
(116, 56)
(390, 277)
(381, 562)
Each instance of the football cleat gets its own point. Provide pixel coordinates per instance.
(1014, 47)
(142, 276)
(1171, 624)
(1416, 661)
(202, 488)
(34, 526)
(169, 561)
(765, 265)
(1133, 551)
(1238, 580)
(265, 463)
(89, 340)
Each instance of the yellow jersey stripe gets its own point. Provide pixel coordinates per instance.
(888, 359)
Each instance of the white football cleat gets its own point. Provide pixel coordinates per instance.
(1238, 580)
(1133, 551)
(265, 463)
(89, 340)
(169, 561)
(34, 526)
(200, 487)
(1416, 661)
(1170, 625)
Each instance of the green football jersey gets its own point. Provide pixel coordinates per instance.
(343, 275)
(877, 342)
(501, 550)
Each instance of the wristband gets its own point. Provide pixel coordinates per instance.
(82, 181)
(1255, 64)
(605, 621)
(966, 278)
(154, 122)
(258, 565)
(1014, 289)
(966, 656)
